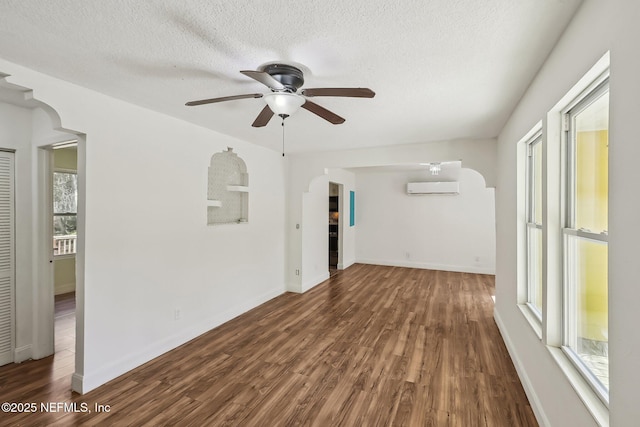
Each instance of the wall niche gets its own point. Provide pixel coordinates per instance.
(227, 189)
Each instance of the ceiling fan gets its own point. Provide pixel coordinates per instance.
(284, 81)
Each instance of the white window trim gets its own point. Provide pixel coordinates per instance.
(594, 90)
(530, 222)
(583, 389)
(530, 312)
(553, 217)
(65, 170)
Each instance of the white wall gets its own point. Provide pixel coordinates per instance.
(315, 233)
(309, 245)
(304, 168)
(439, 232)
(597, 27)
(22, 128)
(147, 249)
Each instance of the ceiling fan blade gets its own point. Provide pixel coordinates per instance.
(353, 92)
(263, 118)
(322, 112)
(222, 99)
(264, 78)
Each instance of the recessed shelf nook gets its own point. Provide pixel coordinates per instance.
(227, 189)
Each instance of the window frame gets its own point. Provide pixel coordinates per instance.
(568, 172)
(67, 214)
(530, 221)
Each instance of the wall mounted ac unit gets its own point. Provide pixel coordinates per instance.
(433, 188)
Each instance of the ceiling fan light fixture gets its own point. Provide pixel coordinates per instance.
(284, 103)
(284, 81)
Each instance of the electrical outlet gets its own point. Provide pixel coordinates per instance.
(407, 255)
(297, 272)
(177, 314)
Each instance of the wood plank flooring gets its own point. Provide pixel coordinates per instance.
(65, 331)
(372, 346)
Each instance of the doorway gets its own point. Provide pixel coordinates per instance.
(32, 129)
(65, 215)
(334, 227)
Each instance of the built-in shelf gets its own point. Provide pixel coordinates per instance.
(227, 189)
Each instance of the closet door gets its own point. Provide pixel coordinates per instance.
(7, 269)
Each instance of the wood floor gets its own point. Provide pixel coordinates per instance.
(372, 346)
(65, 334)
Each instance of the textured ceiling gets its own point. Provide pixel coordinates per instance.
(441, 69)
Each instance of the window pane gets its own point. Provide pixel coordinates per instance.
(537, 182)
(586, 250)
(591, 166)
(588, 296)
(535, 267)
(64, 225)
(65, 193)
(65, 204)
(534, 221)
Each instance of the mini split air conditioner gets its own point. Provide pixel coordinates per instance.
(433, 188)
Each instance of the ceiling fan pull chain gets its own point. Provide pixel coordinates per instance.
(283, 136)
(284, 116)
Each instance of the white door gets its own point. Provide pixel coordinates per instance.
(7, 274)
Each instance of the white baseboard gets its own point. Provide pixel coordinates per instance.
(315, 281)
(65, 288)
(77, 381)
(91, 380)
(536, 406)
(23, 353)
(346, 264)
(430, 266)
(294, 287)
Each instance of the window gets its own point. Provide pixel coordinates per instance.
(65, 213)
(534, 224)
(563, 279)
(585, 235)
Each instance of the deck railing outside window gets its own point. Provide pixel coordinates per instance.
(64, 245)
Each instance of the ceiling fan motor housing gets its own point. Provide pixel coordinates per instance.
(288, 75)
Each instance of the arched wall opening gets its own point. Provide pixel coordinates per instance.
(31, 129)
(446, 232)
(451, 232)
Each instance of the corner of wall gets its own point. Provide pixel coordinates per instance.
(314, 281)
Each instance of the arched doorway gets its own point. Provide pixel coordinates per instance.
(31, 130)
